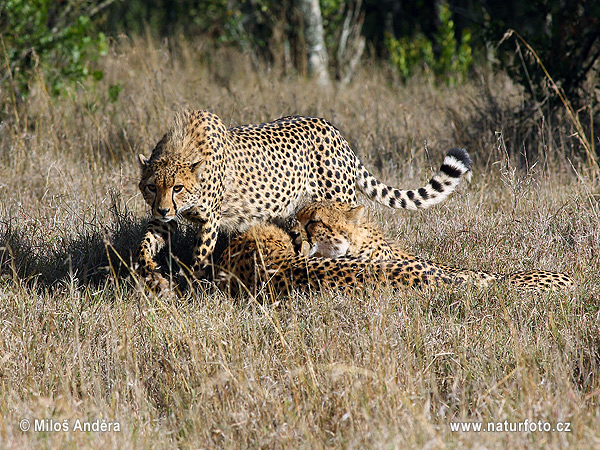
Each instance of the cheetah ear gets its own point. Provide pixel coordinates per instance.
(197, 165)
(143, 160)
(355, 214)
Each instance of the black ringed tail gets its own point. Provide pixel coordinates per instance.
(456, 164)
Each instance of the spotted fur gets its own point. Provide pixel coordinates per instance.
(262, 260)
(334, 229)
(229, 179)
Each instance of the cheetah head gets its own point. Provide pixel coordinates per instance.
(174, 179)
(169, 187)
(328, 227)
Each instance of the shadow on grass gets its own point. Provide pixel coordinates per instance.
(97, 252)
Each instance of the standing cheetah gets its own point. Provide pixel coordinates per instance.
(228, 179)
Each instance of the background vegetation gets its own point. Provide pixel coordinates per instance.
(550, 47)
(80, 339)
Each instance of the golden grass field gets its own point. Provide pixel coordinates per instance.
(80, 340)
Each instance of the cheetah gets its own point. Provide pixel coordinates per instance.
(334, 229)
(263, 260)
(225, 180)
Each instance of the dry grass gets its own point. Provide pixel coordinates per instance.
(380, 369)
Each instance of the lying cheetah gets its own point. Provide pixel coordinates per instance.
(228, 179)
(263, 260)
(334, 229)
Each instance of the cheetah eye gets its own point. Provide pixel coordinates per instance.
(177, 188)
(151, 187)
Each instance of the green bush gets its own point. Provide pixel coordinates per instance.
(55, 39)
(407, 55)
(444, 56)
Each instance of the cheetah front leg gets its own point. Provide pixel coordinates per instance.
(205, 245)
(156, 236)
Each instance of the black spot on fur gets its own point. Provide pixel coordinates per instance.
(436, 186)
(450, 171)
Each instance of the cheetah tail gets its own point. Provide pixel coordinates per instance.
(456, 164)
